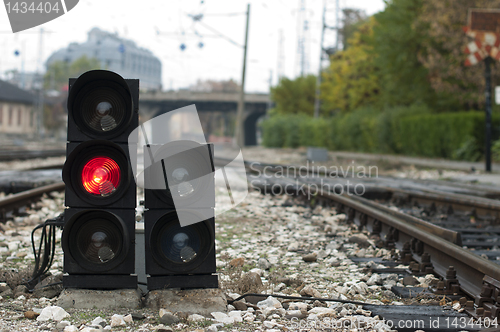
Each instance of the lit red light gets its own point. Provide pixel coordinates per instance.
(101, 176)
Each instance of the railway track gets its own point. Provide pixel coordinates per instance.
(13, 204)
(424, 246)
(10, 155)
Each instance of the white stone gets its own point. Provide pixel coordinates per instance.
(164, 311)
(294, 246)
(280, 287)
(374, 279)
(52, 313)
(269, 302)
(222, 317)
(312, 317)
(70, 328)
(92, 329)
(212, 328)
(268, 325)
(62, 324)
(257, 270)
(14, 245)
(128, 319)
(234, 296)
(236, 316)
(322, 312)
(248, 317)
(297, 306)
(195, 318)
(98, 321)
(117, 320)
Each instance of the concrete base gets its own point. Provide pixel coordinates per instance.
(99, 299)
(192, 301)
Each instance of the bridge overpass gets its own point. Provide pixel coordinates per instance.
(152, 104)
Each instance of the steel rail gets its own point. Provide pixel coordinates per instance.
(471, 270)
(13, 202)
(9, 155)
(460, 202)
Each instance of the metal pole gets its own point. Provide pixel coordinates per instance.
(238, 132)
(39, 124)
(337, 24)
(318, 79)
(487, 75)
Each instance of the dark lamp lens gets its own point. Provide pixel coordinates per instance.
(101, 176)
(180, 245)
(99, 241)
(103, 109)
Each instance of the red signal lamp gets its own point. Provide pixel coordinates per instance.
(101, 176)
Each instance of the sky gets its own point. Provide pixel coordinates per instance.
(162, 26)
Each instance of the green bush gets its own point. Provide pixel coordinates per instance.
(273, 132)
(411, 130)
(495, 150)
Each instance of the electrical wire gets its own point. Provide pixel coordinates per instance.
(48, 242)
(302, 298)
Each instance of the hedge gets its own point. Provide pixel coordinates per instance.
(410, 130)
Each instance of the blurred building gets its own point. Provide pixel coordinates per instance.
(120, 55)
(17, 116)
(26, 80)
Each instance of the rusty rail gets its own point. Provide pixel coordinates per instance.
(434, 248)
(14, 202)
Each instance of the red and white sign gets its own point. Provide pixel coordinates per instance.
(484, 27)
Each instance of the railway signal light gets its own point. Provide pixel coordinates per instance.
(99, 223)
(179, 220)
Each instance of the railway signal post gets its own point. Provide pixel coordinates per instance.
(99, 223)
(179, 219)
(483, 25)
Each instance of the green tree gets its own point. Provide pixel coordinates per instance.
(294, 96)
(352, 79)
(57, 74)
(351, 21)
(442, 52)
(397, 45)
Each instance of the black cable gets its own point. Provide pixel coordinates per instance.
(48, 242)
(302, 298)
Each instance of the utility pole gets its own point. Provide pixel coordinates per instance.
(487, 75)
(238, 132)
(337, 23)
(318, 78)
(39, 122)
(281, 56)
(300, 61)
(269, 103)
